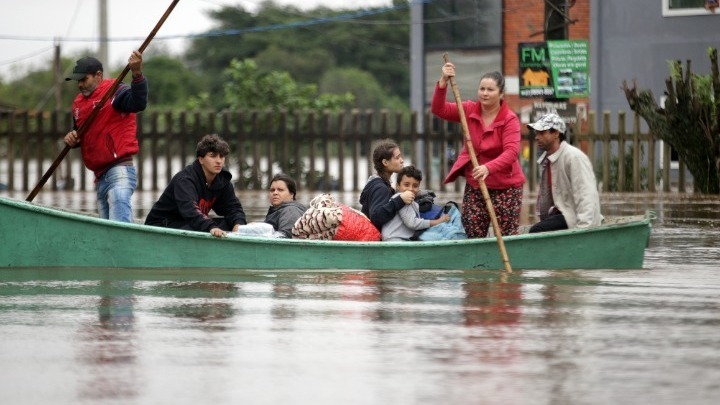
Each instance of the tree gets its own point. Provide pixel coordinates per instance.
(246, 87)
(171, 82)
(288, 39)
(690, 121)
(362, 85)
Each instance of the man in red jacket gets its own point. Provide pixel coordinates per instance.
(109, 143)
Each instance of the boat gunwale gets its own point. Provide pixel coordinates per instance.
(620, 222)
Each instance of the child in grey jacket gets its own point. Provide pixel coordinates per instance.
(407, 221)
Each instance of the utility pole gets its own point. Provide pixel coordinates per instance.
(556, 23)
(57, 68)
(417, 76)
(103, 53)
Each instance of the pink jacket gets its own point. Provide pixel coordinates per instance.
(497, 147)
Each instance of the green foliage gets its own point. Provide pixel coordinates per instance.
(363, 85)
(288, 49)
(304, 66)
(246, 87)
(170, 81)
(307, 52)
(627, 162)
(689, 121)
(36, 90)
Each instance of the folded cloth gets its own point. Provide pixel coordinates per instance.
(257, 229)
(446, 230)
(327, 219)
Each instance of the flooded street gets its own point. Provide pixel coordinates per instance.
(120, 336)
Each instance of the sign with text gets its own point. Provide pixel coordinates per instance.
(557, 69)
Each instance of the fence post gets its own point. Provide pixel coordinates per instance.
(355, 139)
(606, 151)
(39, 144)
(681, 176)
(25, 136)
(168, 146)
(666, 167)
(621, 152)
(636, 153)
(325, 131)
(651, 162)
(591, 136)
(153, 150)
(141, 153)
(240, 149)
(341, 151)
(11, 150)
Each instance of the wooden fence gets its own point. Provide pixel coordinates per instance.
(322, 151)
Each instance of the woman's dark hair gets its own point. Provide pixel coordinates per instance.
(382, 152)
(212, 143)
(411, 172)
(289, 182)
(497, 77)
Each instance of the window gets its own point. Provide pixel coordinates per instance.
(673, 8)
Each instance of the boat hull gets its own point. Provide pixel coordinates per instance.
(36, 236)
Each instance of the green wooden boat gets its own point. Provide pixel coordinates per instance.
(37, 236)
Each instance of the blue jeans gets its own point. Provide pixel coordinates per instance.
(114, 193)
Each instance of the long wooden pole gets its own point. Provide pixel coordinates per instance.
(83, 128)
(483, 187)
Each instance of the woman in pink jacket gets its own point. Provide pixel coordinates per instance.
(495, 134)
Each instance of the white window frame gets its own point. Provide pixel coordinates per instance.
(667, 12)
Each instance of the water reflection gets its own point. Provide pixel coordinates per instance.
(107, 336)
(207, 302)
(108, 346)
(490, 303)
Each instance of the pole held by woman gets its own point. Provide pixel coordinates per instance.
(483, 188)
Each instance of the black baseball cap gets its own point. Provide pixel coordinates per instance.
(83, 66)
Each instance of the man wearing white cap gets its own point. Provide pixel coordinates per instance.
(568, 196)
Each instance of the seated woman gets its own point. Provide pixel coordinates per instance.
(284, 210)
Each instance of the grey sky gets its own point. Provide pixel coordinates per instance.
(27, 28)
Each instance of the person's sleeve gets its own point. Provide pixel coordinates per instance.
(384, 208)
(186, 198)
(133, 98)
(229, 207)
(288, 218)
(441, 107)
(511, 147)
(411, 220)
(584, 191)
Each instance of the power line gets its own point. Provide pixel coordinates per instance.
(217, 33)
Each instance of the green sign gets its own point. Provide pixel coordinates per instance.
(557, 69)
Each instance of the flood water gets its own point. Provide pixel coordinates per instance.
(120, 336)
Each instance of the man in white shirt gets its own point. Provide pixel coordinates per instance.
(568, 196)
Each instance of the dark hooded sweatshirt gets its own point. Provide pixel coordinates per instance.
(377, 203)
(187, 201)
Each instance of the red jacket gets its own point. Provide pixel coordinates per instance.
(497, 147)
(111, 137)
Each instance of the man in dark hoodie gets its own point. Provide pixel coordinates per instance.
(200, 187)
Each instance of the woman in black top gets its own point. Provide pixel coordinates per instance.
(376, 198)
